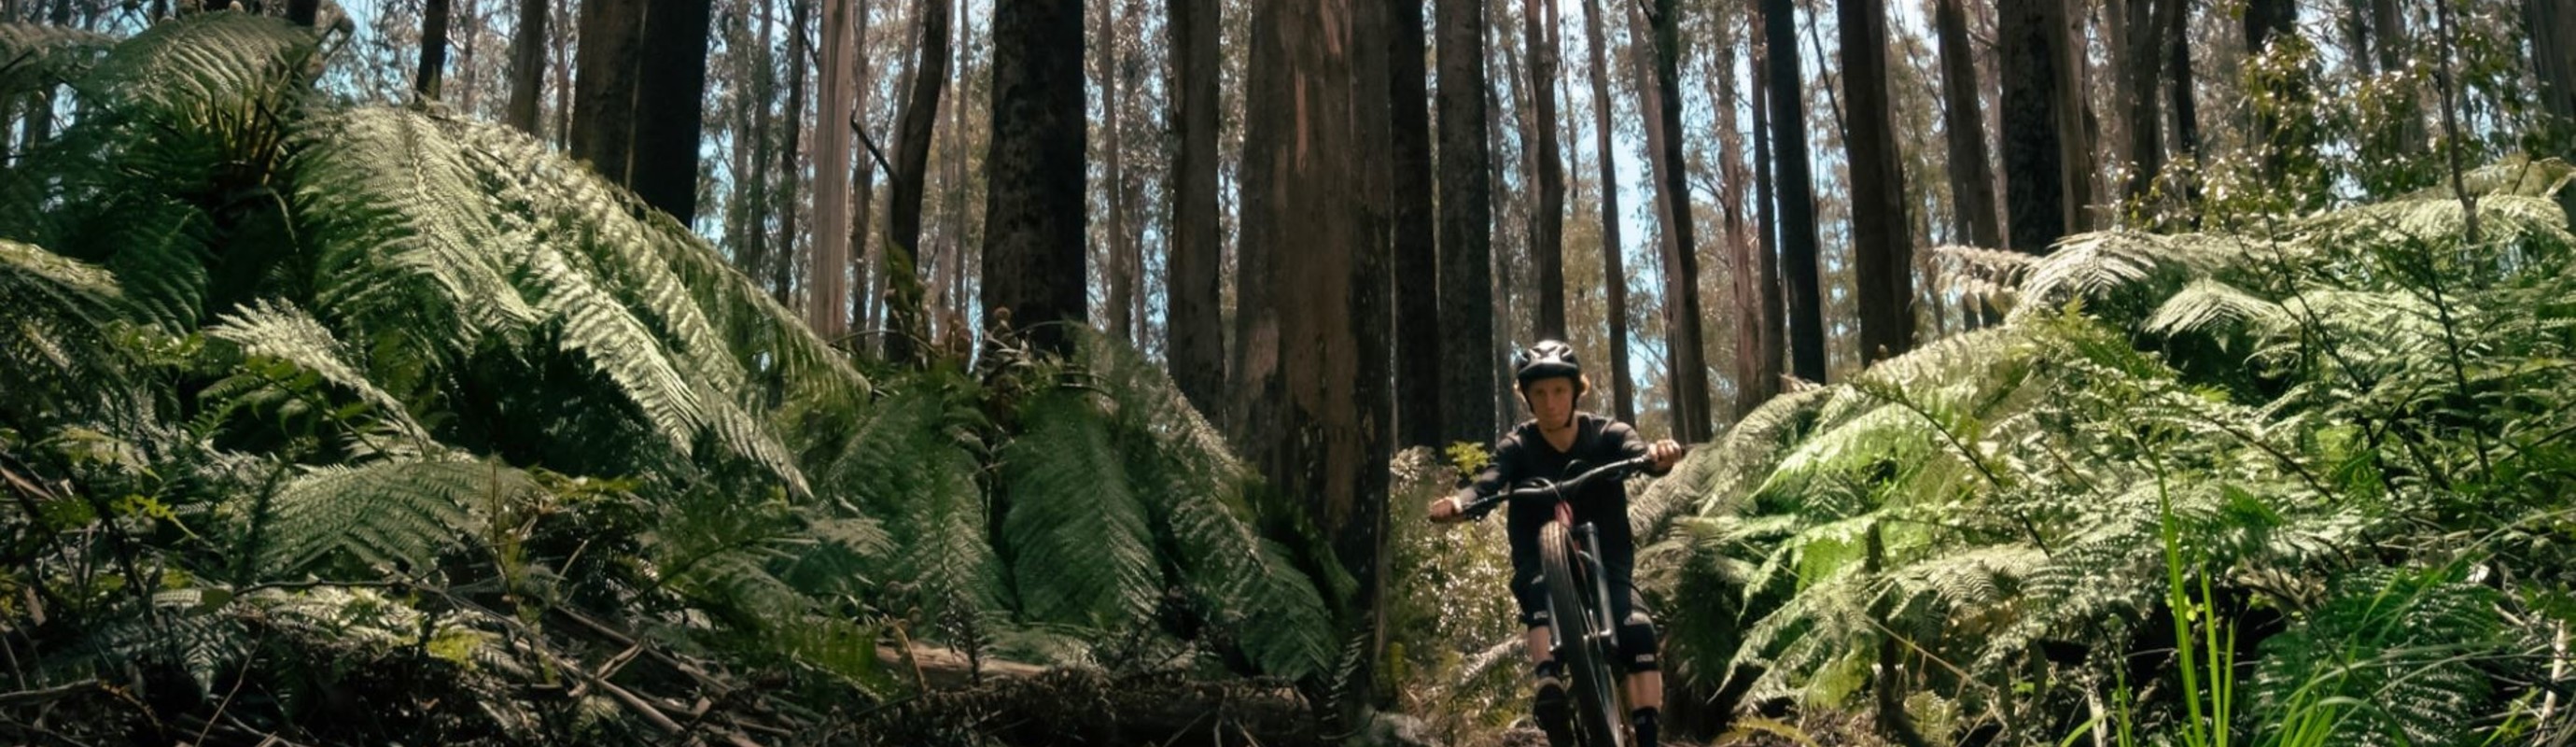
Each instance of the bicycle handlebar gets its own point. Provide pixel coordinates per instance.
(1544, 489)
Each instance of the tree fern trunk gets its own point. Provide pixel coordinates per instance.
(1033, 203)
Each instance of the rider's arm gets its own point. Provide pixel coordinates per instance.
(1497, 474)
(1626, 441)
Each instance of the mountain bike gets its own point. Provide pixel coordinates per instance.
(1578, 601)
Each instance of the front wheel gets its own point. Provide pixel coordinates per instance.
(1595, 691)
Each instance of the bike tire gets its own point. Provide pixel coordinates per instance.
(1594, 692)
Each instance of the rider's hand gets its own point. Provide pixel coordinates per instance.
(1445, 510)
(1665, 453)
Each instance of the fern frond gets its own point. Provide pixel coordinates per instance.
(2400, 650)
(907, 463)
(59, 331)
(2205, 304)
(1082, 542)
(204, 61)
(1193, 488)
(2093, 266)
(385, 513)
(35, 57)
(277, 329)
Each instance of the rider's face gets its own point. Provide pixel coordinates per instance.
(1550, 400)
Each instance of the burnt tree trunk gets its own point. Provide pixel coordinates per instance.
(1417, 257)
(906, 321)
(1883, 250)
(1197, 351)
(1794, 189)
(1468, 356)
(1033, 206)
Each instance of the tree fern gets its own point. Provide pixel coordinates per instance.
(280, 330)
(396, 513)
(41, 56)
(2395, 657)
(1082, 545)
(1194, 490)
(908, 461)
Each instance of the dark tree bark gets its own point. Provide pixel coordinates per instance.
(670, 107)
(1972, 181)
(2395, 49)
(1417, 257)
(1033, 206)
(2034, 66)
(603, 123)
(1770, 318)
(1690, 367)
(1197, 356)
(433, 49)
(1122, 277)
(1315, 203)
(2553, 57)
(1468, 355)
(2145, 41)
(2183, 98)
(1547, 249)
(528, 66)
(298, 12)
(1883, 250)
(1794, 189)
(1623, 395)
(905, 319)
(782, 265)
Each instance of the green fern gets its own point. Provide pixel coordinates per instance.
(281, 331)
(2396, 657)
(35, 57)
(1082, 544)
(387, 514)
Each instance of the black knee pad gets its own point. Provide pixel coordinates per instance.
(1637, 642)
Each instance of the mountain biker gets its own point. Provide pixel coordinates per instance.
(1557, 436)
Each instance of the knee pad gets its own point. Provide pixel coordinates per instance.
(1637, 642)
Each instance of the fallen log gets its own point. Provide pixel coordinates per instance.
(1024, 704)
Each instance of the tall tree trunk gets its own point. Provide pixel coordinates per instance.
(1033, 203)
(603, 125)
(1197, 353)
(433, 49)
(528, 65)
(905, 319)
(1752, 384)
(2396, 51)
(1972, 182)
(764, 92)
(670, 107)
(2552, 26)
(1318, 189)
(2144, 32)
(1770, 319)
(1417, 255)
(1122, 279)
(1882, 251)
(827, 272)
(563, 21)
(2183, 97)
(1547, 225)
(1794, 189)
(1468, 355)
(2266, 22)
(782, 266)
(2034, 68)
(471, 29)
(863, 181)
(1690, 367)
(1614, 278)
